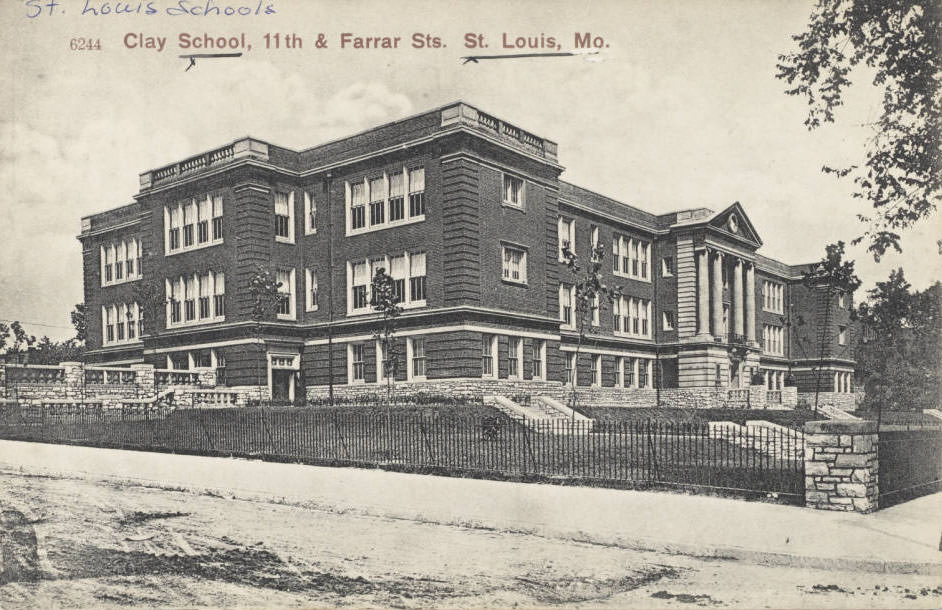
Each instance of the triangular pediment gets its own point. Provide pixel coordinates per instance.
(734, 223)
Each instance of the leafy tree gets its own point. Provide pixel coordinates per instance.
(266, 299)
(21, 340)
(900, 39)
(591, 295)
(385, 300)
(899, 360)
(835, 275)
(78, 321)
(4, 335)
(47, 351)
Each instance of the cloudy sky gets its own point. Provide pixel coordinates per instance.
(681, 110)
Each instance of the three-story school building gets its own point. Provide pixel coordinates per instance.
(468, 214)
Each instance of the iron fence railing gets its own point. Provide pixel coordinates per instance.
(627, 452)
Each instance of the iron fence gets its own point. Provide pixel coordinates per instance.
(628, 453)
(910, 464)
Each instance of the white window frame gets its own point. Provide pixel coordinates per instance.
(118, 314)
(506, 271)
(522, 196)
(351, 379)
(773, 297)
(410, 354)
(492, 348)
(538, 348)
(192, 206)
(568, 291)
(310, 213)
(566, 234)
(310, 290)
(210, 282)
(515, 352)
(596, 370)
(842, 335)
(573, 367)
(633, 251)
(291, 292)
(289, 239)
(596, 310)
(409, 189)
(384, 261)
(635, 308)
(120, 251)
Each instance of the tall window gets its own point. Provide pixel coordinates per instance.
(537, 358)
(360, 281)
(205, 302)
(395, 197)
(668, 320)
(417, 346)
(284, 214)
(630, 365)
(193, 223)
(357, 205)
(514, 351)
(358, 362)
(189, 220)
(217, 218)
(189, 299)
(417, 192)
(311, 282)
(635, 314)
(219, 294)
(596, 367)
(514, 264)
(377, 201)
(570, 367)
(634, 255)
(842, 335)
(417, 277)
(773, 339)
(310, 213)
(174, 301)
(397, 207)
(617, 315)
(203, 218)
(643, 372)
(840, 299)
(109, 324)
(399, 272)
(285, 277)
(566, 300)
(513, 191)
(566, 233)
(488, 343)
(773, 297)
(120, 261)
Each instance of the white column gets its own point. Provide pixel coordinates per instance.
(737, 298)
(718, 294)
(703, 293)
(750, 305)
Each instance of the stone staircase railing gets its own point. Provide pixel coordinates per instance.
(541, 417)
(832, 412)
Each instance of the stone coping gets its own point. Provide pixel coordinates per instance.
(840, 426)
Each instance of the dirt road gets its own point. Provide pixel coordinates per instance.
(92, 544)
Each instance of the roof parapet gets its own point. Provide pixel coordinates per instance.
(469, 116)
(246, 148)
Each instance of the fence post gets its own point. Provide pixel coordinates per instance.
(144, 379)
(74, 379)
(841, 465)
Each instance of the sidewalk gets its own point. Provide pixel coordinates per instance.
(901, 539)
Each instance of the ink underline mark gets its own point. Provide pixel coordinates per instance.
(194, 56)
(475, 58)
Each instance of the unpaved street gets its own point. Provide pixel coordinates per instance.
(76, 543)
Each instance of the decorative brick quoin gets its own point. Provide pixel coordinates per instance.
(468, 213)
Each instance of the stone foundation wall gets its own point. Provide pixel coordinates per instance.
(841, 467)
